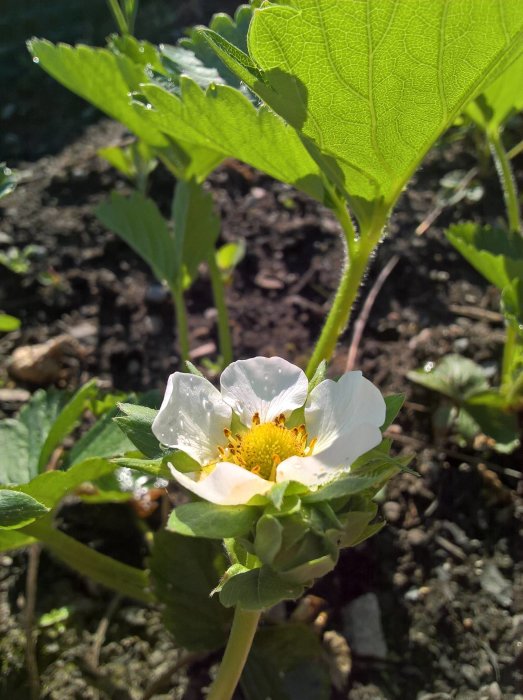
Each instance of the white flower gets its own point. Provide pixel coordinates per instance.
(342, 421)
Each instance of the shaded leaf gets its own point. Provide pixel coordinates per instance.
(257, 589)
(184, 571)
(286, 662)
(497, 254)
(455, 376)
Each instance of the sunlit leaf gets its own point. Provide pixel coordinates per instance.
(371, 85)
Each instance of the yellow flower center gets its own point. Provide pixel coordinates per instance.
(265, 445)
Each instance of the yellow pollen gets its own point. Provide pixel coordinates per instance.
(265, 445)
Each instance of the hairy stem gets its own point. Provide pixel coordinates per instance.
(240, 641)
(359, 252)
(30, 634)
(122, 578)
(508, 181)
(218, 290)
(119, 17)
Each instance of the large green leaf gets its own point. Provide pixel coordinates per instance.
(497, 254)
(502, 98)
(184, 571)
(286, 662)
(50, 487)
(104, 439)
(101, 77)
(371, 85)
(139, 222)
(224, 120)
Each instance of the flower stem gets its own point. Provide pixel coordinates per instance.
(240, 640)
(224, 331)
(507, 180)
(182, 326)
(125, 579)
(359, 252)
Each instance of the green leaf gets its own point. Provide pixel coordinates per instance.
(496, 253)
(66, 421)
(490, 412)
(375, 473)
(135, 161)
(196, 227)
(138, 221)
(102, 78)
(212, 521)
(455, 376)
(268, 538)
(257, 589)
(22, 439)
(19, 509)
(224, 120)
(50, 487)
(9, 323)
(136, 424)
(393, 405)
(104, 439)
(233, 30)
(499, 100)
(184, 571)
(387, 80)
(287, 662)
(228, 256)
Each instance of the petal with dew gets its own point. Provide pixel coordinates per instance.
(192, 417)
(226, 485)
(268, 386)
(321, 467)
(334, 409)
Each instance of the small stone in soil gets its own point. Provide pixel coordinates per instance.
(391, 511)
(362, 627)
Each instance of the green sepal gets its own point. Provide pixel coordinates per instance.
(18, 509)
(257, 589)
(212, 521)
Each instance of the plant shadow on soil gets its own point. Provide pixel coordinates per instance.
(448, 630)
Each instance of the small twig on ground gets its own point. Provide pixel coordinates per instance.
(362, 319)
(443, 203)
(30, 635)
(164, 680)
(477, 312)
(93, 655)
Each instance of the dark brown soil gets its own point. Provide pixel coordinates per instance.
(447, 569)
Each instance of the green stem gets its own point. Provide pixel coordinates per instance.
(218, 290)
(240, 641)
(359, 252)
(119, 17)
(182, 325)
(508, 355)
(124, 579)
(508, 181)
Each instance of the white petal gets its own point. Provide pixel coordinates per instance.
(334, 460)
(334, 409)
(264, 385)
(227, 484)
(192, 417)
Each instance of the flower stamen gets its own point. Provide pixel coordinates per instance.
(262, 448)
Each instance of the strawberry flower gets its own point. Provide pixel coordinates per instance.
(245, 437)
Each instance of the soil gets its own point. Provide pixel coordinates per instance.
(447, 569)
